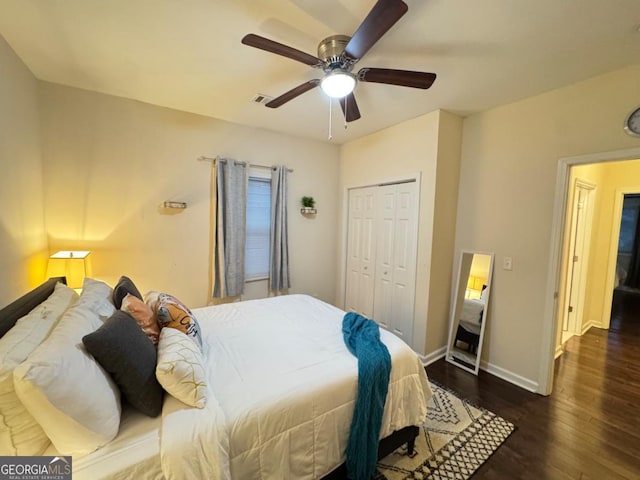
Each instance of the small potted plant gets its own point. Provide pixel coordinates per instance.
(308, 205)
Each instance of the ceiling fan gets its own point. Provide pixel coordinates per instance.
(338, 54)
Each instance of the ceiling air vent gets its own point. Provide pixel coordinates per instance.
(260, 98)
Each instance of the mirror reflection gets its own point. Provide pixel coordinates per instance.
(468, 319)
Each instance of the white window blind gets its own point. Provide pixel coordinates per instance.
(256, 264)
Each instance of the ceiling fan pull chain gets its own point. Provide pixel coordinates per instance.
(330, 136)
(344, 117)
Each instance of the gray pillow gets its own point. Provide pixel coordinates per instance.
(125, 285)
(129, 356)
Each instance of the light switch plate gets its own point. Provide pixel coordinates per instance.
(507, 263)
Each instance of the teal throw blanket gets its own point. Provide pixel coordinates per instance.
(362, 337)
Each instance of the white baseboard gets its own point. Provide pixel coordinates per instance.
(499, 372)
(588, 325)
(433, 356)
(559, 351)
(510, 376)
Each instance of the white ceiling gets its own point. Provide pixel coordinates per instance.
(186, 54)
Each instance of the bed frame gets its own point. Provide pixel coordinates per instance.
(10, 314)
(387, 445)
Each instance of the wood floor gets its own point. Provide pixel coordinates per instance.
(588, 428)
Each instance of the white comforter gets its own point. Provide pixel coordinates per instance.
(283, 388)
(472, 311)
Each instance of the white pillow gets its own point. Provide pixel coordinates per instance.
(97, 296)
(180, 368)
(73, 399)
(20, 434)
(483, 295)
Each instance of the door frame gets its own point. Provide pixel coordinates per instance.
(558, 225)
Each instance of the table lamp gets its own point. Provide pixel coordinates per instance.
(71, 264)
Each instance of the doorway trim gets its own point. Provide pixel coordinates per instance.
(558, 226)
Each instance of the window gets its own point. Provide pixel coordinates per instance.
(256, 259)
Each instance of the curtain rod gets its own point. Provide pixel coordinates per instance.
(217, 158)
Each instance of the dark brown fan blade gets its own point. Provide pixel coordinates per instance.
(404, 78)
(293, 93)
(383, 15)
(280, 49)
(350, 108)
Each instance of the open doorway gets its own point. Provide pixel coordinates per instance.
(593, 217)
(628, 258)
(601, 263)
(627, 278)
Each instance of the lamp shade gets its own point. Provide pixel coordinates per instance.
(338, 83)
(71, 264)
(475, 283)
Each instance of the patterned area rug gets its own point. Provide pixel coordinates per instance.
(456, 439)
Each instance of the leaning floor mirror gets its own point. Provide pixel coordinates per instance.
(469, 310)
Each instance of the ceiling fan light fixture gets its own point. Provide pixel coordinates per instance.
(338, 83)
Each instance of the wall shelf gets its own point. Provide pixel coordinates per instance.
(308, 211)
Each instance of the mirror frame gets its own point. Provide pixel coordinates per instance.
(453, 323)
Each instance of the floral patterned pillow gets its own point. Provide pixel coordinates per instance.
(144, 315)
(172, 313)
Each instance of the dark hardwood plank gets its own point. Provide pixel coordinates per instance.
(588, 428)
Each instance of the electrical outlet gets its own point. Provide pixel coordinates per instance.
(507, 263)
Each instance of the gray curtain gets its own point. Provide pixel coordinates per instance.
(279, 257)
(231, 179)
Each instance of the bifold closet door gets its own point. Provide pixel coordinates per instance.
(395, 265)
(361, 250)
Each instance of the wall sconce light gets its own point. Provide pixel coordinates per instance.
(171, 207)
(71, 264)
(176, 205)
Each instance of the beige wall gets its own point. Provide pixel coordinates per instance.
(443, 265)
(23, 241)
(426, 145)
(111, 162)
(507, 184)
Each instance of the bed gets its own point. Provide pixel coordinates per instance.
(470, 323)
(283, 385)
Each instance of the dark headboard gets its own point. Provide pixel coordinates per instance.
(17, 309)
